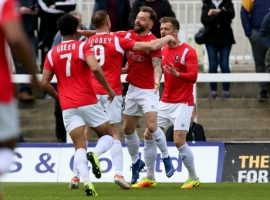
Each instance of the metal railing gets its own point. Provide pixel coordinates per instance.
(202, 77)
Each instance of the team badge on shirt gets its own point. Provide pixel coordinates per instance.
(176, 58)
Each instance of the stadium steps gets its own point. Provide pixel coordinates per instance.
(237, 90)
(235, 119)
(37, 120)
(241, 117)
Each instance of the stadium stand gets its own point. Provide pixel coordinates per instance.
(240, 118)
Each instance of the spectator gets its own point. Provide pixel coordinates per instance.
(162, 8)
(252, 14)
(118, 11)
(58, 38)
(29, 12)
(265, 34)
(49, 13)
(195, 133)
(217, 16)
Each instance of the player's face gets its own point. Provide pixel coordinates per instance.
(143, 22)
(167, 29)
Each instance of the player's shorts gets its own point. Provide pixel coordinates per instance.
(91, 115)
(113, 109)
(178, 114)
(139, 101)
(9, 121)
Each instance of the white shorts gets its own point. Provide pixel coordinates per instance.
(139, 101)
(178, 114)
(9, 121)
(113, 109)
(91, 115)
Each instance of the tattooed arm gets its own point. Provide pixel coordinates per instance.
(156, 61)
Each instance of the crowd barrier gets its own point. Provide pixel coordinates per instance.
(53, 163)
(214, 162)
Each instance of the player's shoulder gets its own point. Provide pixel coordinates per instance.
(151, 36)
(186, 45)
(123, 34)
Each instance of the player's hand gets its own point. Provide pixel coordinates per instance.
(214, 12)
(111, 95)
(171, 40)
(156, 86)
(36, 83)
(173, 70)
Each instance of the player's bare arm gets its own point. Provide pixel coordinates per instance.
(46, 83)
(92, 62)
(125, 69)
(154, 44)
(156, 61)
(18, 43)
(86, 33)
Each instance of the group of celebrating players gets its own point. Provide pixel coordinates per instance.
(89, 90)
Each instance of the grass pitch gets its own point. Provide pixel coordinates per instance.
(167, 191)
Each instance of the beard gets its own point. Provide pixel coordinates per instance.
(138, 29)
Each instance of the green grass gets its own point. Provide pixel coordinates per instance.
(167, 191)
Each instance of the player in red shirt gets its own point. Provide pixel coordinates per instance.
(13, 36)
(109, 50)
(180, 67)
(73, 63)
(144, 73)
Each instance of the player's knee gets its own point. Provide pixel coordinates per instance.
(152, 127)
(148, 135)
(128, 131)
(179, 143)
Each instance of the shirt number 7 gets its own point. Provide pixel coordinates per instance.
(68, 62)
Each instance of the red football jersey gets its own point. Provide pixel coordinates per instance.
(8, 12)
(74, 84)
(184, 59)
(141, 70)
(109, 52)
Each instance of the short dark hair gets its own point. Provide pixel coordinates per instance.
(98, 18)
(172, 20)
(151, 11)
(67, 24)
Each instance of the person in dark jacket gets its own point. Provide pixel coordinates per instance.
(162, 7)
(252, 14)
(217, 17)
(265, 35)
(118, 11)
(29, 12)
(49, 14)
(195, 133)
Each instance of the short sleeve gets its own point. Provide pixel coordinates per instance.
(156, 54)
(48, 63)
(126, 44)
(121, 34)
(88, 49)
(9, 12)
